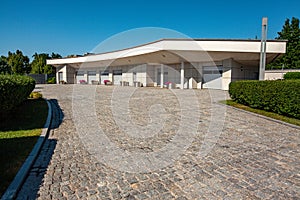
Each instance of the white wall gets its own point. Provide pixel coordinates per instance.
(277, 74)
(127, 74)
(68, 74)
(62, 70)
(227, 71)
(141, 74)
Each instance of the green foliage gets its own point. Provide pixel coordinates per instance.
(282, 97)
(4, 67)
(35, 95)
(39, 63)
(291, 60)
(292, 75)
(18, 63)
(72, 56)
(51, 80)
(14, 89)
(18, 135)
(273, 115)
(55, 55)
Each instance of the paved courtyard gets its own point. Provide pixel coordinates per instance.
(251, 158)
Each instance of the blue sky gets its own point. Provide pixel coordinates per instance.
(76, 27)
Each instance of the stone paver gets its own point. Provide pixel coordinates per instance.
(253, 158)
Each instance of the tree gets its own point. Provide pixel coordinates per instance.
(4, 67)
(72, 56)
(55, 55)
(291, 59)
(39, 63)
(18, 63)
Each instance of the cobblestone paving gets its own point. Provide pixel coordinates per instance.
(253, 158)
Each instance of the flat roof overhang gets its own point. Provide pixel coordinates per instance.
(170, 51)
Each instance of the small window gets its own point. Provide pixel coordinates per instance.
(117, 72)
(80, 73)
(213, 70)
(92, 73)
(105, 73)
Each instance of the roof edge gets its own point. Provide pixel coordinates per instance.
(174, 39)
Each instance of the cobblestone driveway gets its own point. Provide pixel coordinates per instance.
(253, 158)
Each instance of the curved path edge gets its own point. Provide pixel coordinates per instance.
(262, 116)
(13, 189)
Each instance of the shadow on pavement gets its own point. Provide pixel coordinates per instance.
(34, 180)
(30, 188)
(57, 114)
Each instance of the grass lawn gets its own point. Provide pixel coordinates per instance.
(262, 112)
(18, 135)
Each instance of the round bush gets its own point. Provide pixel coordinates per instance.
(14, 89)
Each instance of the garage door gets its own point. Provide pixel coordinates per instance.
(104, 76)
(212, 77)
(117, 76)
(91, 76)
(79, 76)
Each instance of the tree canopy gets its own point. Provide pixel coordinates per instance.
(55, 55)
(18, 63)
(39, 63)
(291, 59)
(4, 67)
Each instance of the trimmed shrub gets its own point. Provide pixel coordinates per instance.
(292, 75)
(51, 80)
(280, 96)
(14, 89)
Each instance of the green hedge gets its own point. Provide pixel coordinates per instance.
(281, 96)
(292, 75)
(14, 89)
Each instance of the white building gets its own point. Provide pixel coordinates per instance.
(185, 63)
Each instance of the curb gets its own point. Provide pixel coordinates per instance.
(262, 116)
(13, 189)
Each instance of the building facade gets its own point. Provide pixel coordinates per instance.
(179, 63)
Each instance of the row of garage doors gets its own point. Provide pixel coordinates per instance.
(92, 76)
(212, 77)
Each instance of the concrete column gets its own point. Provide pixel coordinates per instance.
(86, 76)
(263, 49)
(110, 76)
(98, 75)
(161, 75)
(182, 75)
(57, 75)
(65, 73)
